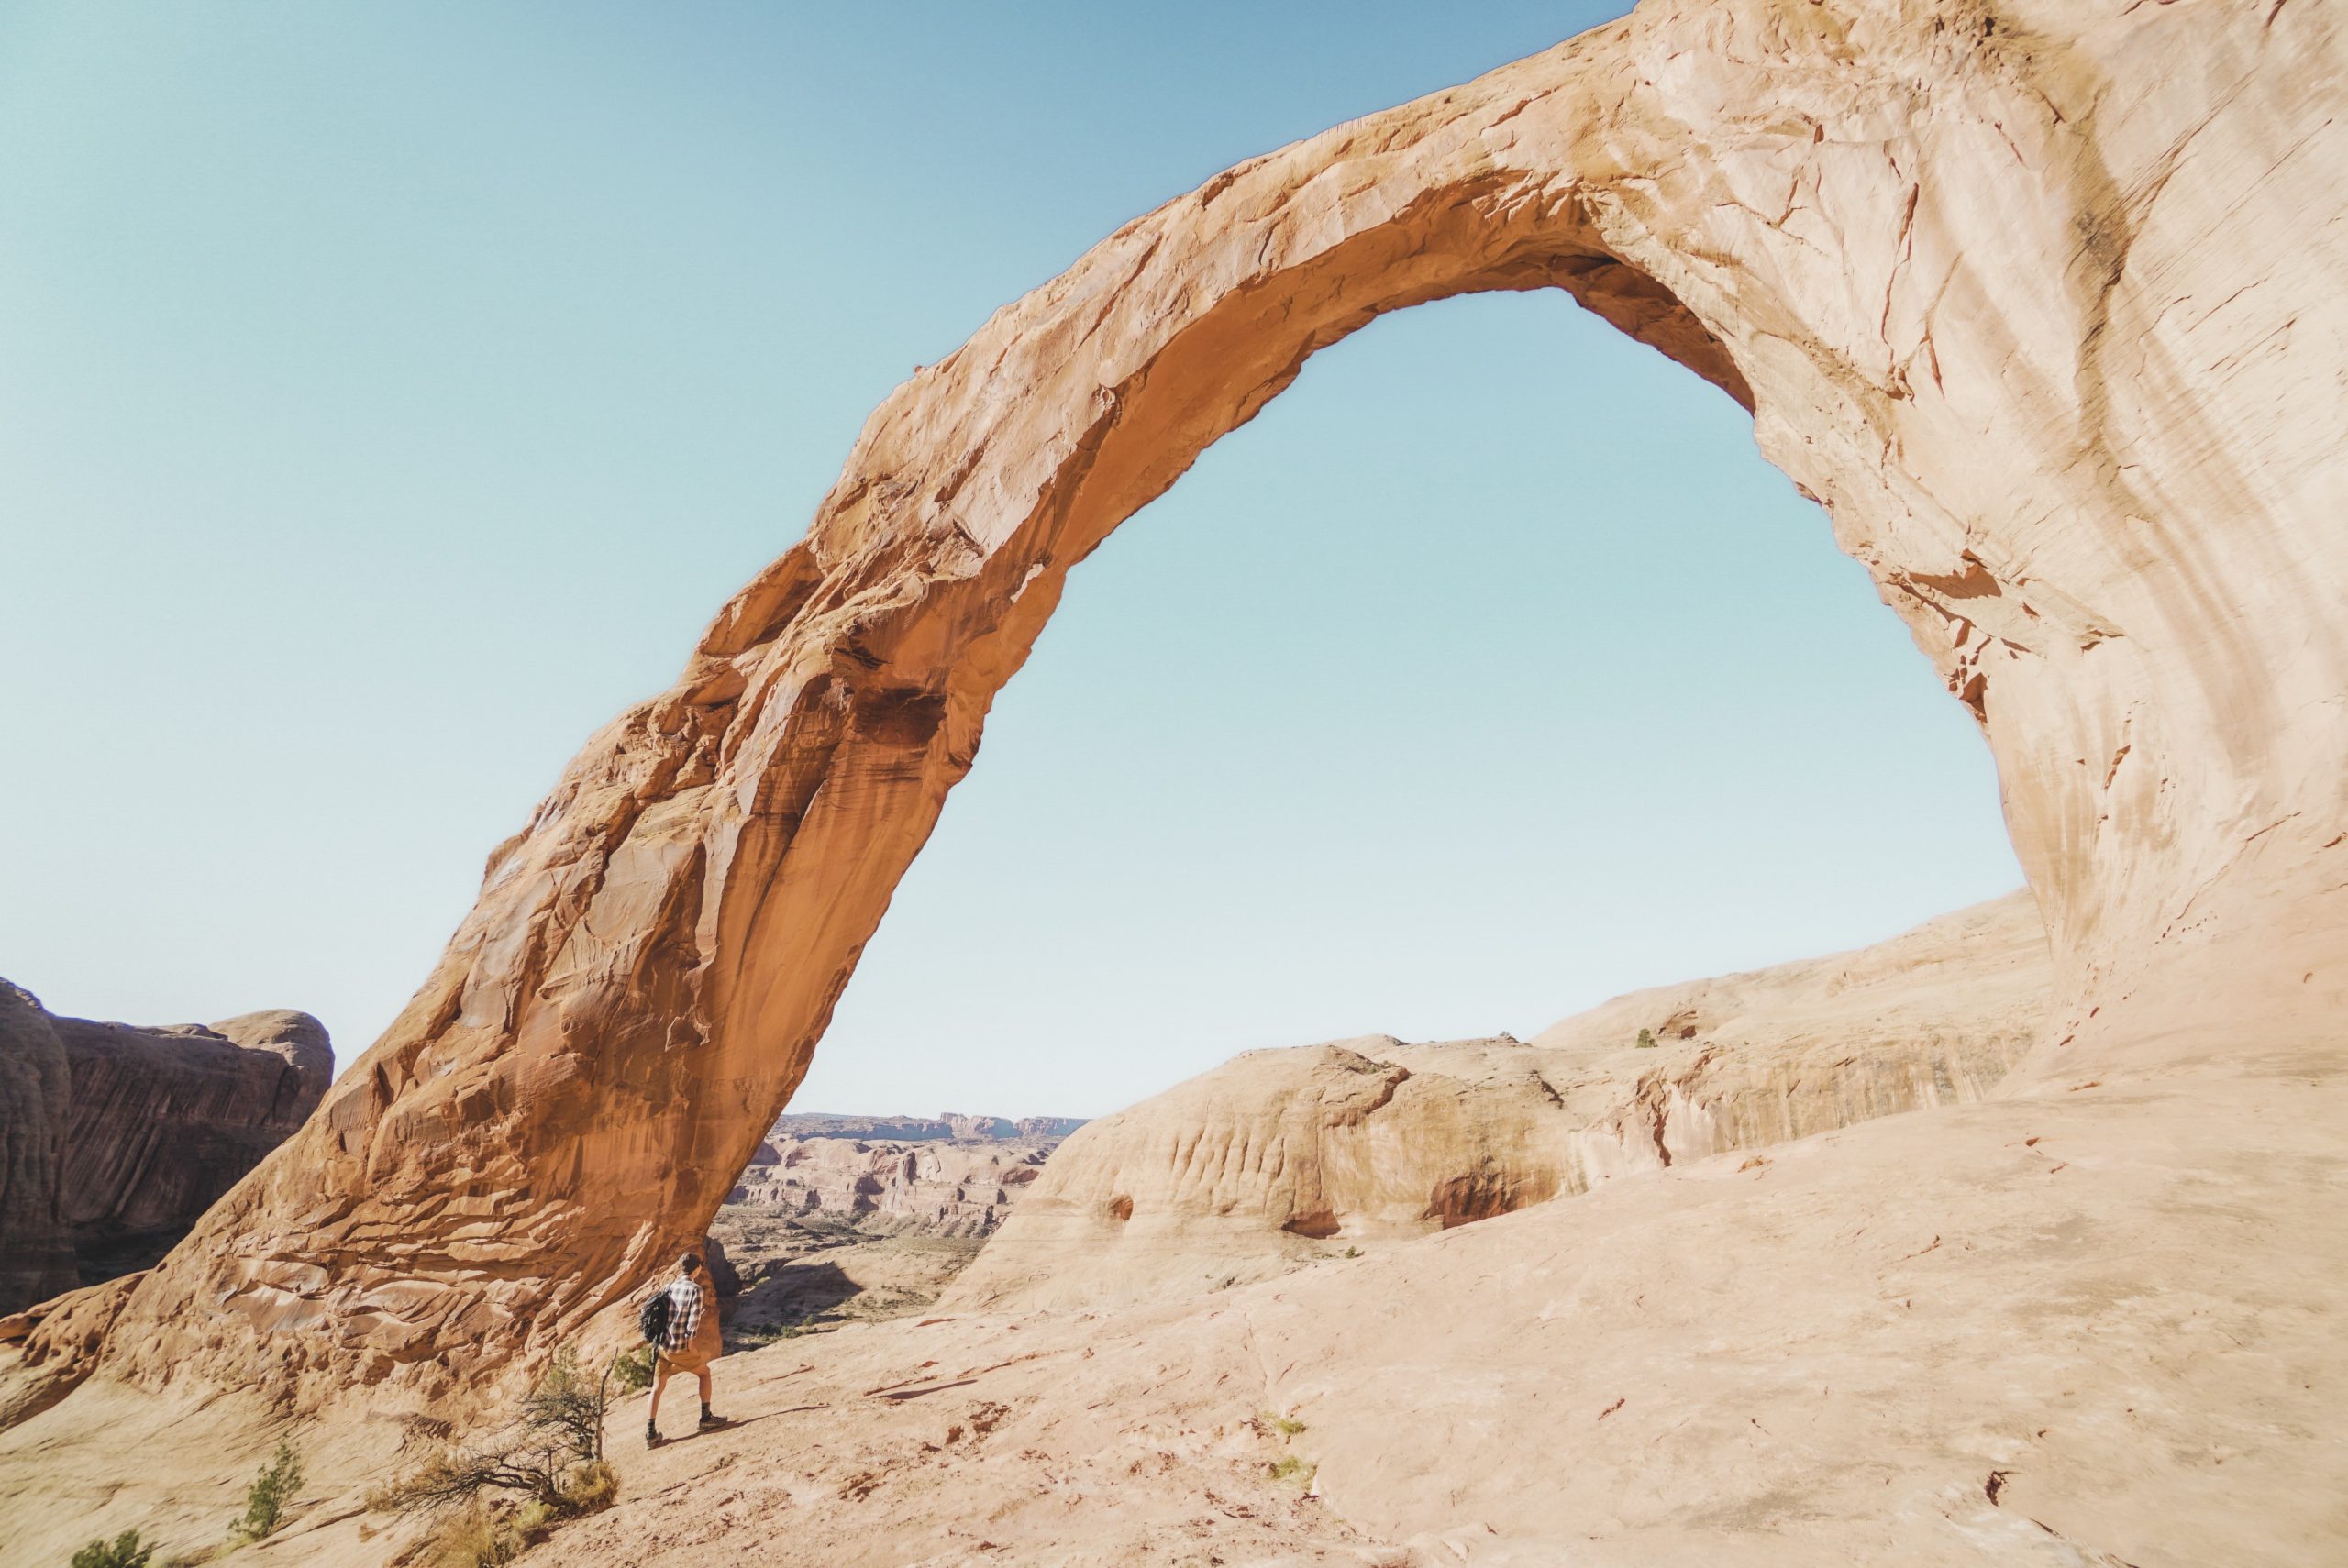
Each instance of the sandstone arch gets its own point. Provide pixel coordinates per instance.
(2041, 300)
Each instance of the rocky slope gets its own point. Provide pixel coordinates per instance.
(116, 1138)
(2079, 1329)
(1279, 1158)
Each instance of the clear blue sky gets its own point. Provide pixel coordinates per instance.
(388, 394)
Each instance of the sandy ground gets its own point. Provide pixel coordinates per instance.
(2097, 1324)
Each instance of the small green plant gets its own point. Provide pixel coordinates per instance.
(124, 1550)
(1287, 1425)
(1352, 1251)
(272, 1492)
(632, 1372)
(757, 1334)
(1289, 1467)
(1647, 1040)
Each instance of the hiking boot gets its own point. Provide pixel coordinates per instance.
(711, 1419)
(651, 1435)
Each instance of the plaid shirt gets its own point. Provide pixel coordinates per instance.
(684, 1315)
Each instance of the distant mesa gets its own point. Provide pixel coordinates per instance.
(946, 1124)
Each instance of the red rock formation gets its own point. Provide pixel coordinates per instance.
(110, 1162)
(2044, 304)
(36, 1246)
(937, 1189)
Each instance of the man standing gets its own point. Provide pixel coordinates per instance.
(690, 1344)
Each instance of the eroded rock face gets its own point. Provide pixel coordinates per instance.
(938, 1188)
(2045, 303)
(162, 1121)
(116, 1137)
(36, 1246)
(1279, 1158)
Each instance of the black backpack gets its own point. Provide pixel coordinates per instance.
(652, 1317)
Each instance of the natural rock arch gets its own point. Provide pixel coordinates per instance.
(2037, 300)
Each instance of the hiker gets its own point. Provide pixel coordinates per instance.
(689, 1341)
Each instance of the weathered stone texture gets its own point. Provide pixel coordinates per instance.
(2046, 301)
(1284, 1158)
(116, 1137)
(941, 1188)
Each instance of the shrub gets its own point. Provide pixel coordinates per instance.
(124, 1550)
(1647, 1040)
(471, 1539)
(542, 1467)
(1287, 1425)
(772, 1334)
(631, 1372)
(1289, 1467)
(272, 1491)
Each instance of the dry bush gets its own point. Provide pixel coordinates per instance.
(495, 1500)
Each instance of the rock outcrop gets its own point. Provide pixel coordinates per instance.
(117, 1138)
(2045, 301)
(939, 1188)
(36, 1244)
(1279, 1158)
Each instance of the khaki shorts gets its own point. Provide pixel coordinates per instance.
(695, 1357)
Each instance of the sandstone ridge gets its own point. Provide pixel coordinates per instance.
(1285, 1157)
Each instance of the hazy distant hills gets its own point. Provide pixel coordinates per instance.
(947, 1125)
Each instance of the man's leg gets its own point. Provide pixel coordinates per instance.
(707, 1414)
(659, 1382)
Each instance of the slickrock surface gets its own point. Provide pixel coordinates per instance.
(1281, 1158)
(2046, 301)
(2095, 1329)
(117, 1138)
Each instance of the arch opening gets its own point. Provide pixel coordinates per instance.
(1345, 734)
(655, 954)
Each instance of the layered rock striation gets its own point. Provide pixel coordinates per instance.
(117, 1138)
(1283, 1157)
(2044, 302)
(940, 1189)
